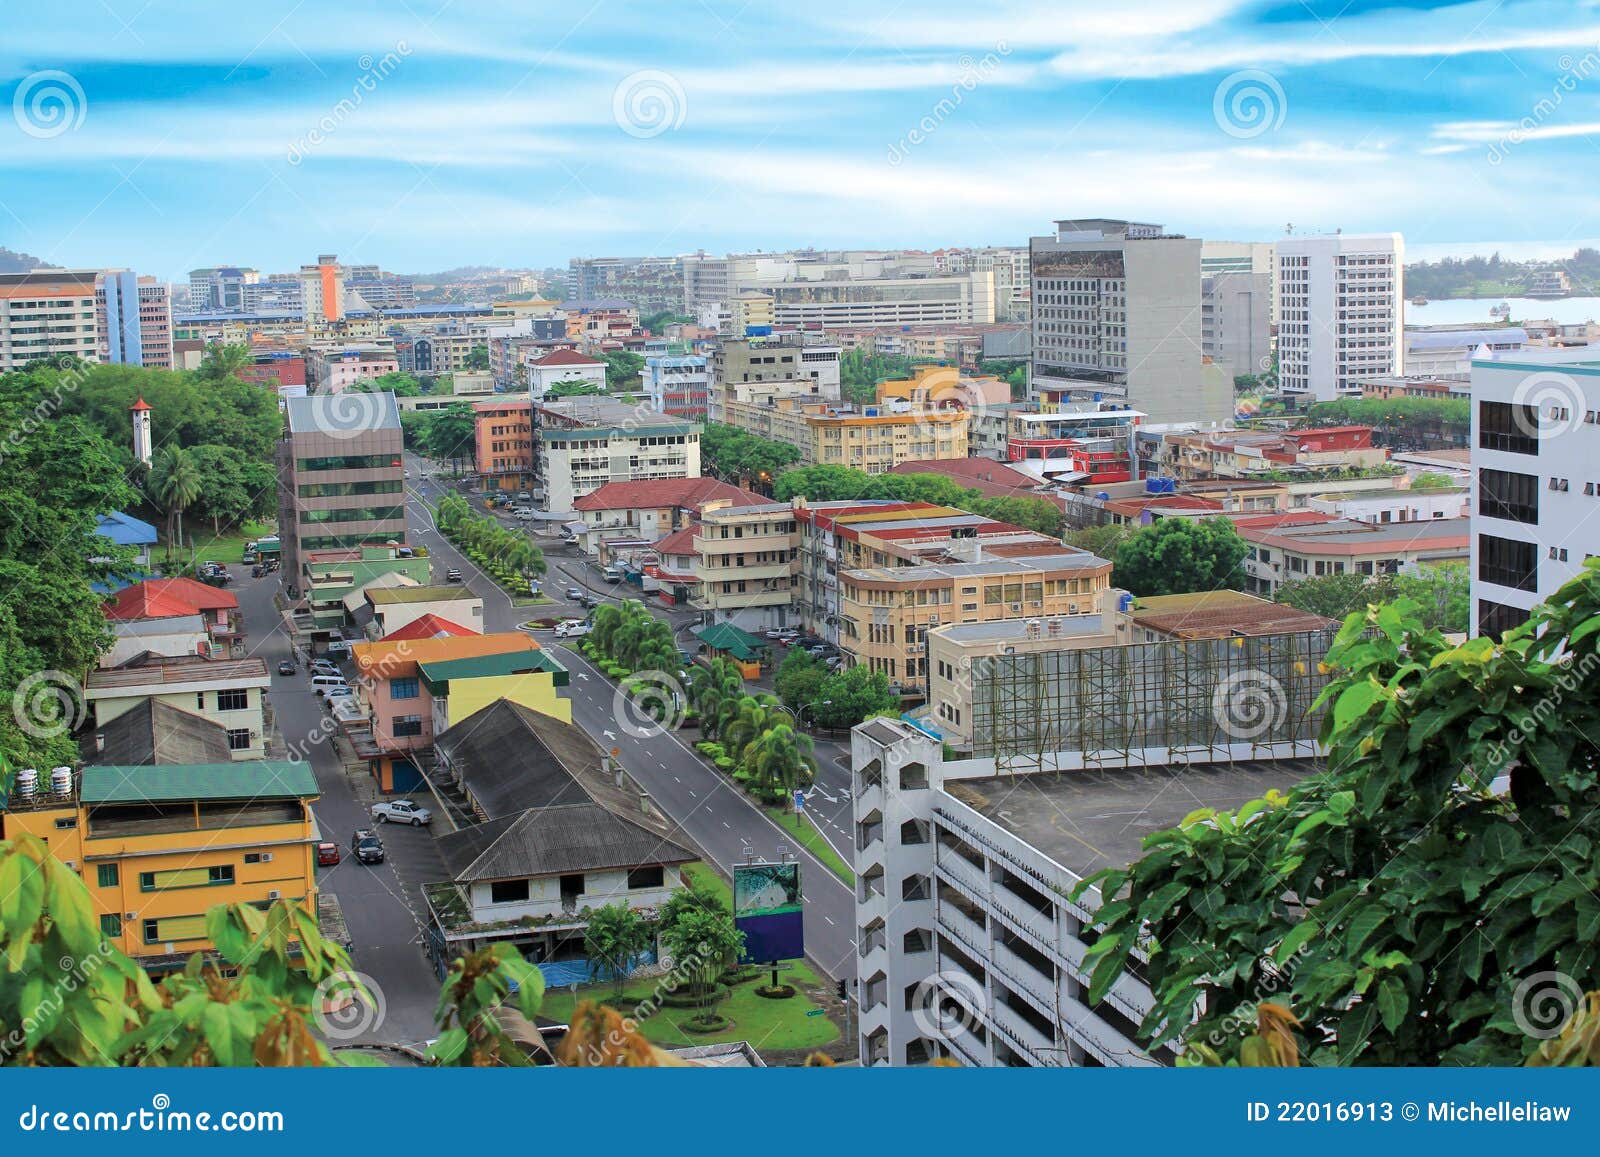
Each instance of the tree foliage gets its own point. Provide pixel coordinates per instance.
(614, 940)
(736, 456)
(847, 484)
(1405, 904)
(1181, 555)
(1442, 592)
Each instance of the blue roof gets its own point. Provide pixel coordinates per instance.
(124, 529)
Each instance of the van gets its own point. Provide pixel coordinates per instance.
(611, 574)
(523, 512)
(323, 682)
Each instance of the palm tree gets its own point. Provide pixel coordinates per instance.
(175, 483)
(780, 760)
(222, 362)
(741, 721)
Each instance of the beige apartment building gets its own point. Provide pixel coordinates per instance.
(874, 439)
(746, 560)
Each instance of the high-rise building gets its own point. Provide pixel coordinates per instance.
(220, 288)
(341, 477)
(1535, 448)
(322, 290)
(652, 284)
(1340, 320)
(47, 313)
(133, 320)
(1117, 315)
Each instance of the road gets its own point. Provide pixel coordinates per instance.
(708, 808)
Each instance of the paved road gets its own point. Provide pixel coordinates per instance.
(719, 818)
(377, 905)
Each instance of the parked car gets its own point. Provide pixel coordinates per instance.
(286, 667)
(324, 667)
(774, 633)
(525, 513)
(820, 650)
(524, 496)
(327, 854)
(589, 601)
(216, 578)
(332, 693)
(366, 847)
(453, 575)
(339, 649)
(575, 594)
(834, 662)
(572, 629)
(401, 811)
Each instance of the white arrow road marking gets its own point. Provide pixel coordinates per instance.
(609, 734)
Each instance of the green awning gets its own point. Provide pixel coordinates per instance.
(731, 640)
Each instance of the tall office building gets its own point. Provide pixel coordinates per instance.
(220, 288)
(47, 313)
(1117, 315)
(652, 284)
(322, 290)
(133, 320)
(1536, 460)
(1340, 320)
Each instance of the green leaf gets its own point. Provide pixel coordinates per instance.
(1298, 936)
(1393, 1001)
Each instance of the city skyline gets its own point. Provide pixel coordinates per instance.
(420, 143)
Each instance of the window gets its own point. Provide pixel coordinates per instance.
(407, 725)
(508, 892)
(1558, 484)
(1503, 494)
(403, 688)
(1494, 619)
(107, 876)
(174, 928)
(1559, 553)
(111, 925)
(1507, 562)
(66, 824)
(233, 699)
(651, 876)
(174, 878)
(238, 739)
(1508, 427)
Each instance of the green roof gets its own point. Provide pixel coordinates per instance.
(254, 779)
(438, 674)
(732, 640)
(419, 595)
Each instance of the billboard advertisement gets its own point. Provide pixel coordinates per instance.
(767, 909)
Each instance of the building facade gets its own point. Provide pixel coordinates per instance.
(48, 314)
(503, 443)
(1340, 312)
(133, 320)
(582, 443)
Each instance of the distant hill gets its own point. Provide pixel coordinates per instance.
(18, 262)
(462, 273)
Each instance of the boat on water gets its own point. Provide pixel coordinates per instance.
(1419, 300)
(1501, 310)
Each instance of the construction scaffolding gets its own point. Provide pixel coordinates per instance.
(1192, 701)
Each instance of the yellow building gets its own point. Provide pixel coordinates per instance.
(887, 612)
(158, 846)
(874, 439)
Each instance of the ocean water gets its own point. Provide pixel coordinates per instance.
(1567, 310)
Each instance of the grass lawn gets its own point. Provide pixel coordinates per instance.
(226, 548)
(703, 876)
(766, 1024)
(806, 834)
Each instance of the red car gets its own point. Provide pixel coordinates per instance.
(327, 854)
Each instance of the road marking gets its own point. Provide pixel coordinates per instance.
(675, 779)
(827, 917)
(727, 825)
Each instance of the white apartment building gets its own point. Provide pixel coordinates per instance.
(48, 313)
(963, 298)
(1340, 312)
(1117, 314)
(581, 443)
(970, 946)
(1535, 449)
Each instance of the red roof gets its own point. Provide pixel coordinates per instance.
(141, 404)
(990, 478)
(168, 599)
(687, 492)
(427, 627)
(567, 358)
(678, 542)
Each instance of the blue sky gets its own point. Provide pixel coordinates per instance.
(420, 134)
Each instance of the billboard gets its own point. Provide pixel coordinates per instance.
(767, 909)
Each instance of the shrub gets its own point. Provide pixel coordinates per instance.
(723, 762)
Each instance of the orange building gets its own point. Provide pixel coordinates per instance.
(503, 443)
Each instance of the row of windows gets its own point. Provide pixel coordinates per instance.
(349, 462)
(347, 489)
(354, 514)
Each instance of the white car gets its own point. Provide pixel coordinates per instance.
(572, 629)
(401, 811)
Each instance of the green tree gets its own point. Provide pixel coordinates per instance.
(799, 679)
(1432, 480)
(736, 456)
(1335, 595)
(1037, 514)
(1443, 594)
(572, 389)
(702, 942)
(399, 383)
(780, 761)
(478, 358)
(624, 370)
(614, 940)
(1180, 555)
(1398, 902)
(223, 363)
(849, 696)
(175, 482)
(1102, 541)
(821, 484)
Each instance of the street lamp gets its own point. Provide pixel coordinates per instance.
(805, 706)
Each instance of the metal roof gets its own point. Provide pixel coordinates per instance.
(142, 783)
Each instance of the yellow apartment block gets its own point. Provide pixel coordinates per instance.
(874, 439)
(159, 845)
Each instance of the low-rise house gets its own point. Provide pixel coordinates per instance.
(393, 608)
(1305, 545)
(179, 636)
(126, 530)
(332, 575)
(564, 366)
(159, 845)
(228, 692)
(462, 687)
(181, 598)
(561, 833)
(649, 510)
(155, 732)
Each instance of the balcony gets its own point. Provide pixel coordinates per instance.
(964, 928)
(1025, 919)
(1025, 978)
(1024, 1037)
(963, 875)
(710, 571)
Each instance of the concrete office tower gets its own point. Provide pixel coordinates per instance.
(1239, 301)
(1116, 315)
(1340, 319)
(322, 289)
(221, 288)
(1536, 473)
(133, 320)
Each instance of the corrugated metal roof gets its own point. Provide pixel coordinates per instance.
(168, 672)
(577, 837)
(142, 783)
